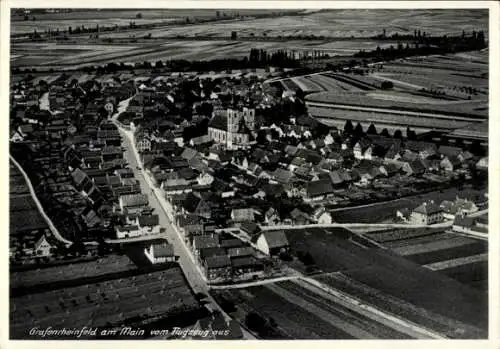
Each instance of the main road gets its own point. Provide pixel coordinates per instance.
(191, 269)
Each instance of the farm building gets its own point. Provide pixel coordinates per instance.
(242, 215)
(160, 253)
(321, 216)
(273, 242)
(217, 268)
(133, 202)
(427, 213)
(470, 225)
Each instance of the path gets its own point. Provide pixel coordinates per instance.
(51, 225)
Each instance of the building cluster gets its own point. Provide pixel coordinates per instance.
(78, 163)
(213, 147)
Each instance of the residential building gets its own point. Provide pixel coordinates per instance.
(273, 242)
(160, 253)
(427, 213)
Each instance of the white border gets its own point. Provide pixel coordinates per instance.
(494, 171)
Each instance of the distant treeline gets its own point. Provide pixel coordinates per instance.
(427, 45)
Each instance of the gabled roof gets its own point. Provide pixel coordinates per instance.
(282, 176)
(208, 252)
(205, 241)
(162, 250)
(275, 238)
(428, 208)
(247, 261)
(218, 262)
(148, 221)
(191, 202)
(132, 200)
(78, 176)
(219, 121)
(240, 251)
(318, 188)
(230, 243)
(449, 151)
(464, 221)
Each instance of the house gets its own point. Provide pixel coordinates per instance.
(204, 241)
(195, 204)
(363, 149)
(449, 151)
(413, 168)
(217, 268)
(148, 224)
(450, 163)
(457, 207)
(271, 217)
(322, 216)
(133, 203)
(273, 242)
(239, 215)
(299, 218)
(403, 214)
(143, 144)
(421, 148)
(427, 213)
(127, 231)
(196, 141)
(482, 164)
(189, 225)
(246, 267)
(160, 253)
(469, 225)
(319, 190)
(42, 247)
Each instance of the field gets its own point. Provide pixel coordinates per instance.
(107, 303)
(329, 24)
(110, 17)
(302, 312)
(23, 213)
(333, 251)
(342, 23)
(32, 278)
(453, 85)
(395, 302)
(462, 258)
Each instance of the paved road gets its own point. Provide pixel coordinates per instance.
(190, 268)
(51, 225)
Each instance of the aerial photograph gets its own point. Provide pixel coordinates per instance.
(242, 174)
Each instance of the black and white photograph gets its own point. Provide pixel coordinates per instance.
(248, 174)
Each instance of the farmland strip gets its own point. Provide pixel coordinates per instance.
(458, 262)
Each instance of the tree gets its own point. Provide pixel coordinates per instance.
(139, 15)
(159, 64)
(386, 85)
(348, 128)
(372, 130)
(398, 134)
(234, 35)
(261, 137)
(385, 133)
(358, 130)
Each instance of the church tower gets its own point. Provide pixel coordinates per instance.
(232, 121)
(249, 115)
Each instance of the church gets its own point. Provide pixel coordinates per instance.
(233, 128)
